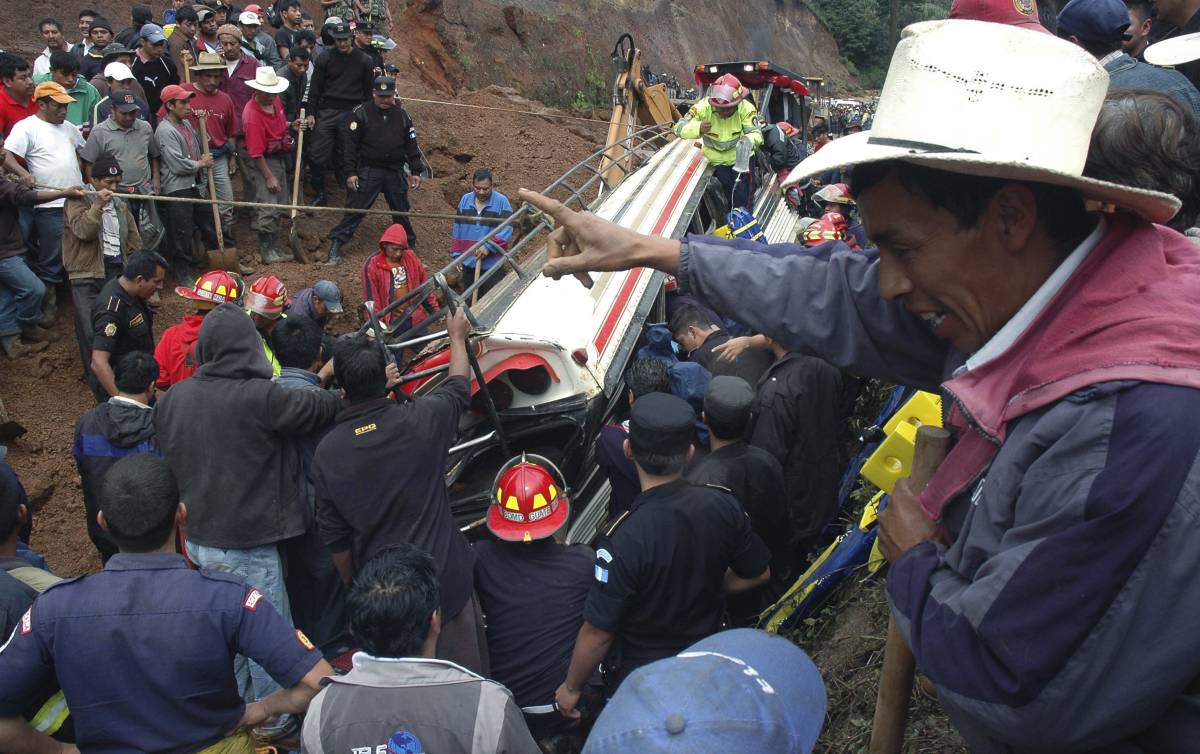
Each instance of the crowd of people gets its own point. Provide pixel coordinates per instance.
(281, 565)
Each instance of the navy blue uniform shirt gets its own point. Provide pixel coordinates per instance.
(144, 650)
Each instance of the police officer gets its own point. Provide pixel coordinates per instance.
(341, 80)
(161, 678)
(377, 142)
(122, 320)
(663, 568)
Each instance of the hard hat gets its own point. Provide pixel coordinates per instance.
(787, 128)
(831, 227)
(835, 193)
(212, 288)
(727, 91)
(267, 296)
(530, 500)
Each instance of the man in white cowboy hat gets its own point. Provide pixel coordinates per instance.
(720, 121)
(265, 129)
(1045, 579)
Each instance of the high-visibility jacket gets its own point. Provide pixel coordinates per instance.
(720, 143)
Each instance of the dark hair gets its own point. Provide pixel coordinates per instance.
(296, 342)
(482, 174)
(139, 497)
(728, 427)
(820, 128)
(10, 503)
(689, 314)
(296, 52)
(61, 60)
(647, 376)
(1060, 209)
(1147, 139)
(392, 601)
(360, 368)
(10, 64)
(141, 14)
(305, 15)
(52, 21)
(657, 463)
(88, 13)
(142, 264)
(304, 35)
(1146, 9)
(187, 13)
(135, 372)
(285, 4)
(1048, 15)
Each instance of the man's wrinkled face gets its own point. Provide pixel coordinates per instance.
(483, 191)
(957, 280)
(55, 112)
(52, 36)
(21, 85)
(68, 80)
(100, 37)
(393, 251)
(308, 24)
(231, 49)
(112, 183)
(208, 81)
(298, 67)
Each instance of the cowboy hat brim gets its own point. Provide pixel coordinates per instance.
(857, 149)
(1174, 51)
(269, 89)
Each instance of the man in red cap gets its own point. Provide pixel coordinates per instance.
(183, 166)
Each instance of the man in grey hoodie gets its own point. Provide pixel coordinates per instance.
(226, 433)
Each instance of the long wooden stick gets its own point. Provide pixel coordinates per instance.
(212, 184)
(899, 665)
(293, 232)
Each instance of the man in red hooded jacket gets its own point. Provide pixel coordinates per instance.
(392, 273)
(175, 350)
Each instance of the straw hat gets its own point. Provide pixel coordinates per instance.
(266, 80)
(1174, 50)
(991, 100)
(208, 61)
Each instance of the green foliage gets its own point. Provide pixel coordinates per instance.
(862, 29)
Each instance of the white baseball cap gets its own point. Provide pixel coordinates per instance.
(117, 72)
(250, 18)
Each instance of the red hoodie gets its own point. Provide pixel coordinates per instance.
(175, 352)
(1128, 313)
(379, 277)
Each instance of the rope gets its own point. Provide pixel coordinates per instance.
(502, 109)
(298, 207)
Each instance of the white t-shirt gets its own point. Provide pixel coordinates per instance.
(49, 153)
(110, 231)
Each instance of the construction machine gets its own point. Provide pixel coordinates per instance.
(636, 104)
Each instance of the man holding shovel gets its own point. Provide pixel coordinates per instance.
(183, 159)
(222, 122)
(1045, 578)
(268, 145)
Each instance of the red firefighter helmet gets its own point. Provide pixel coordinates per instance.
(834, 193)
(831, 227)
(267, 296)
(787, 129)
(727, 91)
(530, 501)
(212, 288)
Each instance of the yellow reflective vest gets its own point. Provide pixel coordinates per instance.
(720, 143)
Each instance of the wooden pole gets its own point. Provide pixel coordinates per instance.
(899, 665)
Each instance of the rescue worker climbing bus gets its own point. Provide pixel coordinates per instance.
(721, 120)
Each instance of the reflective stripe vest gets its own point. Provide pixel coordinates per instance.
(720, 143)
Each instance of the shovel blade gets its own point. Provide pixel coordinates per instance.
(223, 259)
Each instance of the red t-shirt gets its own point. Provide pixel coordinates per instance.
(223, 121)
(266, 133)
(175, 352)
(11, 111)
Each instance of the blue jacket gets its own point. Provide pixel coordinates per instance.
(1126, 73)
(467, 234)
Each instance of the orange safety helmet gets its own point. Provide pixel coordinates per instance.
(831, 227)
(212, 288)
(727, 91)
(267, 296)
(530, 500)
(834, 193)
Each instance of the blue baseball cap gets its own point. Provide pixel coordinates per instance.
(1095, 20)
(328, 292)
(152, 33)
(739, 690)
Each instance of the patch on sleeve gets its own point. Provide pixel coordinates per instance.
(605, 555)
(27, 622)
(304, 640)
(252, 599)
(354, 125)
(110, 329)
(601, 574)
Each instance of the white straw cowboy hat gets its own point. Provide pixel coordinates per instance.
(1174, 50)
(266, 80)
(991, 100)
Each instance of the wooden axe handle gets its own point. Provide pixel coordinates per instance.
(899, 666)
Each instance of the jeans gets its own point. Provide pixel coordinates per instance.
(21, 294)
(262, 568)
(224, 185)
(43, 231)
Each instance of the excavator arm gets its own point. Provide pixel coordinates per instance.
(636, 104)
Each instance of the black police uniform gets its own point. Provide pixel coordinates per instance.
(144, 651)
(660, 570)
(121, 322)
(375, 146)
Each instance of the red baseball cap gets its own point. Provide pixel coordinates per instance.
(173, 92)
(1011, 12)
(254, 9)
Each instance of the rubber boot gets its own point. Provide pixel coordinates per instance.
(335, 253)
(50, 304)
(266, 248)
(37, 334)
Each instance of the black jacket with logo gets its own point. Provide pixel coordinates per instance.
(380, 139)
